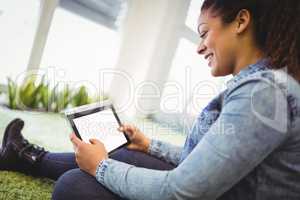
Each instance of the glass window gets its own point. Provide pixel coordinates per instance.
(19, 20)
(78, 48)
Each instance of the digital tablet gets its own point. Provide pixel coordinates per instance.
(99, 121)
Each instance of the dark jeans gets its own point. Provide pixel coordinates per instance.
(72, 183)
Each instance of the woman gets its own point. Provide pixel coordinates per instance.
(244, 145)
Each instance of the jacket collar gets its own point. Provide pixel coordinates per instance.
(261, 65)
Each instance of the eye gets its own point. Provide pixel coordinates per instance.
(203, 34)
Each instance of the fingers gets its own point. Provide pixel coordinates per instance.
(128, 129)
(95, 141)
(122, 128)
(75, 140)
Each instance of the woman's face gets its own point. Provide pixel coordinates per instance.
(218, 44)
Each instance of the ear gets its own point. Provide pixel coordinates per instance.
(243, 20)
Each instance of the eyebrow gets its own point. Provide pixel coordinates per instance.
(199, 26)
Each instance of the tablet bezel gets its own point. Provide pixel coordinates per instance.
(90, 109)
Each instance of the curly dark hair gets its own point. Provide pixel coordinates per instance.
(276, 27)
(283, 35)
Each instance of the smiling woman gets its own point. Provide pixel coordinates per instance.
(221, 39)
(243, 145)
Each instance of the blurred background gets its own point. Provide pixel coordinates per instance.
(141, 54)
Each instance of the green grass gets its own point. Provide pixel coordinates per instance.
(17, 186)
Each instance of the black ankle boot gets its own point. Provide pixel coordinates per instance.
(16, 152)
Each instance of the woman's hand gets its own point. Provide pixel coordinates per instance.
(88, 156)
(139, 142)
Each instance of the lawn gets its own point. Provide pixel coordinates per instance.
(17, 186)
(51, 131)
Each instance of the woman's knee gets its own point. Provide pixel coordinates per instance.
(64, 186)
(76, 184)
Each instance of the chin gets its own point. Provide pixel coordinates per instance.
(217, 73)
(214, 72)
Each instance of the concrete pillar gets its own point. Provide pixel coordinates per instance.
(40, 39)
(150, 36)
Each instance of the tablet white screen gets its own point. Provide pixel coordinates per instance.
(103, 126)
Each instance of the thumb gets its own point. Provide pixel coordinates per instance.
(75, 140)
(95, 141)
(129, 129)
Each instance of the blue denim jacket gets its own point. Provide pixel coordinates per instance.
(244, 145)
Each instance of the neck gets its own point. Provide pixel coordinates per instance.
(247, 57)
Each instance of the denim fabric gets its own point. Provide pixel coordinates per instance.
(167, 152)
(74, 184)
(244, 145)
(53, 165)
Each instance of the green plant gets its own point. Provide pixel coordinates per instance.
(12, 93)
(59, 99)
(64, 98)
(39, 96)
(29, 94)
(44, 96)
(81, 97)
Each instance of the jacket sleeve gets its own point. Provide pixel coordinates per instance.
(165, 151)
(251, 125)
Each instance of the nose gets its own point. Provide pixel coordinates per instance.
(201, 48)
